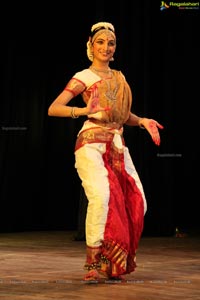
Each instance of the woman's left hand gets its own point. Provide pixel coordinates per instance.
(94, 103)
(152, 126)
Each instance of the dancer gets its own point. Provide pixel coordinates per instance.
(116, 199)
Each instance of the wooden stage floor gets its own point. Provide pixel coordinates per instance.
(49, 265)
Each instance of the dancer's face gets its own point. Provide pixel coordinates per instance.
(104, 46)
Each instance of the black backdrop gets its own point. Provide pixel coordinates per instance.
(41, 48)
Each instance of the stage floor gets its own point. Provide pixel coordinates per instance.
(49, 265)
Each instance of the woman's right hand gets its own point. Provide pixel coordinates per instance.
(93, 104)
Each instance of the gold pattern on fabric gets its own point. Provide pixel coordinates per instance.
(115, 160)
(75, 86)
(95, 135)
(109, 259)
(116, 254)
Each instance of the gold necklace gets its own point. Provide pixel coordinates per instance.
(100, 70)
(111, 94)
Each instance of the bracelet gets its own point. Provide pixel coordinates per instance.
(140, 125)
(73, 113)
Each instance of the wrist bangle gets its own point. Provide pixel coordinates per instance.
(73, 115)
(141, 125)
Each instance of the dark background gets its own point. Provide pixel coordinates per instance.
(41, 48)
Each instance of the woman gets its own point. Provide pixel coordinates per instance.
(116, 200)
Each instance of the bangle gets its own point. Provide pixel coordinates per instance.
(73, 115)
(141, 125)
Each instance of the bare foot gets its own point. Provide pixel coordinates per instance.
(92, 275)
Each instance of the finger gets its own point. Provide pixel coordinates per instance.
(96, 91)
(160, 126)
(156, 141)
(94, 102)
(93, 91)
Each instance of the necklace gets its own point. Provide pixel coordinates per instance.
(111, 92)
(101, 70)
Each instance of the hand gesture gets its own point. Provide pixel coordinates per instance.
(93, 104)
(152, 126)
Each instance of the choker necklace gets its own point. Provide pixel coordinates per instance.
(101, 70)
